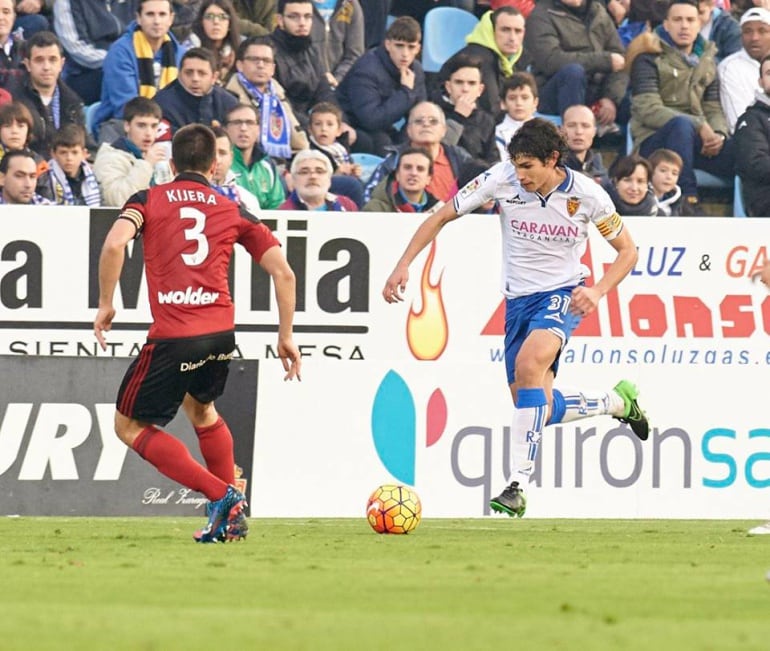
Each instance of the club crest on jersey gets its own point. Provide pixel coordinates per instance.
(573, 203)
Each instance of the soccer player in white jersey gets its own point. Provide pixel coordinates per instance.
(545, 212)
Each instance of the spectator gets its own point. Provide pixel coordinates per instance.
(18, 176)
(577, 58)
(383, 85)
(405, 189)
(252, 167)
(338, 35)
(311, 176)
(253, 83)
(51, 102)
(376, 18)
(194, 95)
(327, 136)
(719, 27)
(752, 144)
(216, 29)
(126, 165)
(738, 73)
(497, 41)
(185, 12)
(31, 18)
(86, 29)
(468, 126)
(297, 64)
(141, 62)
(223, 180)
(70, 180)
(10, 44)
(629, 187)
(426, 128)
(666, 167)
(16, 132)
(257, 17)
(579, 128)
(518, 98)
(675, 99)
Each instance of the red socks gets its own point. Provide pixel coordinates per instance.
(172, 458)
(216, 443)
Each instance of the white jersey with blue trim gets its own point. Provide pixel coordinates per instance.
(543, 238)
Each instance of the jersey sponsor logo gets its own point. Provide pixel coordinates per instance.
(573, 203)
(517, 200)
(188, 296)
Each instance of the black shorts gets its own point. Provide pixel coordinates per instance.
(158, 379)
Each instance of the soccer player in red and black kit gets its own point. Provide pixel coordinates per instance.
(189, 230)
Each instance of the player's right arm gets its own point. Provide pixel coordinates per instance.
(424, 235)
(284, 282)
(110, 266)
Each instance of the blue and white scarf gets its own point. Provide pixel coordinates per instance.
(62, 192)
(275, 134)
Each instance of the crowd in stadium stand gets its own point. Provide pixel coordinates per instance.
(659, 91)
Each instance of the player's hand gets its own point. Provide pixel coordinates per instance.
(396, 285)
(102, 324)
(764, 275)
(290, 358)
(584, 300)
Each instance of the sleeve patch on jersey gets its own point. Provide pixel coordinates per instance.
(470, 188)
(610, 226)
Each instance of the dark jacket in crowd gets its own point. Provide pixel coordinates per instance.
(43, 128)
(752, 158)
(558, 35)
(11, 68)
(180, 107)
(299, 69)
(475, 133)
(372, 95)
(593, 166)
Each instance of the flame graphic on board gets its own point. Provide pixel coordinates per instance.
(427, 331)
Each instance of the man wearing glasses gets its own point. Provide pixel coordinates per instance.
(311, 175)
(426, 127)
(253, 168)
(253, 83)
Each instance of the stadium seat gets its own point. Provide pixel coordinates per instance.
(89, 112)
(551, 117)
(444, 34)
(368, 163)
(738, 209)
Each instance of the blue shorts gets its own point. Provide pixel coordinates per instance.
(541, 311)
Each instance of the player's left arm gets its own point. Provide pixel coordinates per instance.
(110, 266)
(585, 299)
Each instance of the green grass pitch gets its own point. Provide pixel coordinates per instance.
(136, 584)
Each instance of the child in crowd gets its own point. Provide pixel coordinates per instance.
(70, 181)
(518, 98)
(666, 167)
(326, 135)
(630, 188)
(223, 180)
(127, 164)
(16, 124)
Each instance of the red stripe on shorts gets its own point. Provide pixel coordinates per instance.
(135, 383)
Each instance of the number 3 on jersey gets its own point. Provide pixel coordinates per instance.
(195, 234)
